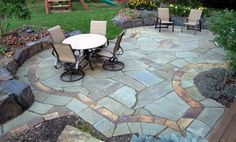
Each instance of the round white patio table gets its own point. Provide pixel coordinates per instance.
(86, 42)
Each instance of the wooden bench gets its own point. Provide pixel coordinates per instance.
(58, 5)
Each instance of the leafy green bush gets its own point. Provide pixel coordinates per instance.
(12, 9)
(223, 26)
(184, 10)
(143, 4)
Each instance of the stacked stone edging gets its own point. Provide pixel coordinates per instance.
(148, 18)
(16, 96)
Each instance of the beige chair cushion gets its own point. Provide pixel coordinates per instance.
(195, 15)
(163, 14)
(56, 34)
(98, 27)
(65, 53)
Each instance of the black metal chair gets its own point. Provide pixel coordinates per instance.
(65, 56)
(112, 63)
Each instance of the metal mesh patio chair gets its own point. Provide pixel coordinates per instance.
(99, 27)
(71, 63)
(112, 63)
(164, 19)
(193, 21)
(56, 34)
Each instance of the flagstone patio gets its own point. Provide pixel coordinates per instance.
(154, 94)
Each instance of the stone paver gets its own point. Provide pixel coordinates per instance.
(145, 77)
(40, 108)
(105, 126)
(199, 128)
(90, 115)
(19, 121)
(164, 107)
(58, 100)
(125, 95)
(135, 127)
(211, 115)
(151, 129)
(76, 106)
(144, 97)
(121, 129)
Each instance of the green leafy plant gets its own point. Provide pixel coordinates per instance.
(142, 4)
(3, 49)
(223, 26)
(12, 9)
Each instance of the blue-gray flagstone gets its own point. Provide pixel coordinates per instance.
(145, 77)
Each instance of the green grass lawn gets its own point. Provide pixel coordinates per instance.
(78, 19)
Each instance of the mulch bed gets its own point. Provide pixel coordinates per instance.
(50, 130)
(213, 84)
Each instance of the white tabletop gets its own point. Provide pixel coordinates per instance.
(85, 41)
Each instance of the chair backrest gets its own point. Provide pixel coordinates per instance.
(98, 27)
(118, 41)
(163, 13)
(56, 34)
(64, 53)
(195, 15)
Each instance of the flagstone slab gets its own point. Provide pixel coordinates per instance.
(121, 129)
(145, 77)
(105, 126)
(135, 127)
(76, 106)
(133, 65)
(127, 80)
(151, 94)
(179, 62)
(211, 115)
(24, 118)
(194, 93)
(90, 115)
(151, 129)
(40, 108)
(199, 128)
(211, 103)
(115, 106)
(58, 100)
(125, 95)
(164, 107)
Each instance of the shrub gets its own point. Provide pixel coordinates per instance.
(183, 10)
(143, 4)
(10, 9)
(223, 26)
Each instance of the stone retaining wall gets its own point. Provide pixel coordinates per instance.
(16, 96)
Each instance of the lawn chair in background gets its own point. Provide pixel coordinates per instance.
(163, 19)
(73, 71)
(112, 63)
(193, 21)
(57, 36)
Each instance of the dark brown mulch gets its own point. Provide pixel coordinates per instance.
(50, 130)
(214, 85)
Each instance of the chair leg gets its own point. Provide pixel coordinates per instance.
(200, 26)
(182, 28)
(173, 27)
(156, 23)
(195, 30)
(160, 26)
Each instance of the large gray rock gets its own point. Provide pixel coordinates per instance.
(72, 134)
(34, 47)
(12, 66)
(5, 74)
(9, 108)
(21, 56)
(20, 90)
